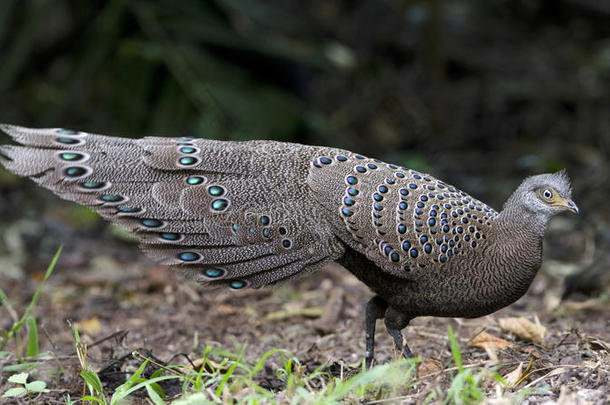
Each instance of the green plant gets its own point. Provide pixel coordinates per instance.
(465, 387)
(134, 383)
(32, 345)
(24, 387)
(18, 322)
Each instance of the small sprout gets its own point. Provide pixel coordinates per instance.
(24, 387)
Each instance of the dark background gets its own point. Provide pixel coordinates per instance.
(480, 94)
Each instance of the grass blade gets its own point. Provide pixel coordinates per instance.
(32, 347)
(455, 350)
(229, 372)
(18, 325)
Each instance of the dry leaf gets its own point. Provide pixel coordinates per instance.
(514, 376)
(524, 328)
(590, 304)
(227, 309)
(210, 365)
(313, 312)
(518, 375)
(554, 372)
(532, 352)
(483, 340)
(429, 366)
(90, 326)
(597, 344)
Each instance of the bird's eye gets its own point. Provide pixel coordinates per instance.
(547, 194)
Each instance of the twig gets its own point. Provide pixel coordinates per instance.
(121, 333)
(394, 399)
(136, 353)
(438, 336)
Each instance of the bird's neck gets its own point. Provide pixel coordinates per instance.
(518, 239)
(518, 221)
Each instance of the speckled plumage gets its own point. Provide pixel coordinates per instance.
(249, 214)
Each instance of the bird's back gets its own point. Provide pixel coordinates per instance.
(406, 222)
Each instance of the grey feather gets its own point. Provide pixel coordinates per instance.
(193, 202)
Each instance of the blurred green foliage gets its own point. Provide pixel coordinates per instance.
(161, 67)
(428, 83)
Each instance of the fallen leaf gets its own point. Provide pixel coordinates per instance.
(597, 344)
(226, 309)
(429, 366)
(554, 372)
(587, 305)
(483, 340)
(90, 326)
(511, 378)
(524, 329)
(313, 312)
(532, 352)
(210, 365)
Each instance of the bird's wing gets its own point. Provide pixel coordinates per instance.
(402, 220)
(231, 213)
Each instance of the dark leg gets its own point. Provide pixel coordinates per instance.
(395, 322)
(375, 309)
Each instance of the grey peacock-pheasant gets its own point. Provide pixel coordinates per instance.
(250, 214)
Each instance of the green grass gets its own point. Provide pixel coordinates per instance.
(233, 378)
(27, 353)
(466, 384)
(18, 322)
(227, 376)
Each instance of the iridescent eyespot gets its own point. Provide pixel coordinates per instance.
(213, 272)
(93, 185)
(64, 131)
(237, 284)
(194, 180)
(189, 256)
(71, 156)
(151, 223)
(169, 236)
(68, 141)
(111, 198)
(216, 191)
(219, 204)
(75, 171)
(187, 161)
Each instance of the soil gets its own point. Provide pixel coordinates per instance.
(123, 303)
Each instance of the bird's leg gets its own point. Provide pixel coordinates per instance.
(395, 322)
(375, 309)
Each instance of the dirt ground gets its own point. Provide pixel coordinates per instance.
(123, 302)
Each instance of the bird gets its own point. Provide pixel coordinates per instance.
(255, 213)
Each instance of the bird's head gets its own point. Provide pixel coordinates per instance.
(544, 195)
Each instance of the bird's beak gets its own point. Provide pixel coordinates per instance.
(568, 205)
